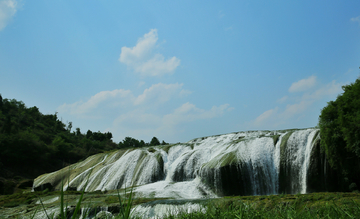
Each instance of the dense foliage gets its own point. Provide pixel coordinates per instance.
(32, 143)
(339, 124)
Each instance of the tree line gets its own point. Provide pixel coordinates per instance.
(32, 143)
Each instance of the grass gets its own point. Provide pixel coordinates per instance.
(317, 205)
(314, 205)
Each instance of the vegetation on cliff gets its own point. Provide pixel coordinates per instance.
(339, 124)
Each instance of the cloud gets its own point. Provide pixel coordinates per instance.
(142, 60)
(329, 89)
(8, 9)
(140, 123)
(154, 96)
(184, 93)
(189, 112)
(154, 112)
(275, 117)
(293, 109)
(283, 99)
(356, 19)
(303, 84)
(265, 116)
(141, 83)
(161, 93)
(308, 99)
(109, 98)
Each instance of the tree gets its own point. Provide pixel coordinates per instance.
(78, 132)
(89, 134)
(154, 141)
(339, 124)
(130, 142)
(32, 143)
(69, 127)
(1, 103)
(108, 135)
(142, 143)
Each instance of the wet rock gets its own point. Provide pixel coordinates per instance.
(321, 177)
(25, 184)
(71, 188)
(42, 187)
(7, 187)
(104, 215)
(114, 209)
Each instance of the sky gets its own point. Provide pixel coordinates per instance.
(179, 70)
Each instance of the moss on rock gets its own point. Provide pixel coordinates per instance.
(285, 168)
(275, 138)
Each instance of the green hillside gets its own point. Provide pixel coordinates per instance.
(32, 143)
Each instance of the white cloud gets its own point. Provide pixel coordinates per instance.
(136, 119)
(275, 117)
(160, 93)
(329, 89)
(113, 98)
(8, 9)
(356, 19)
(189, 112)
(293, 109)
(184, 93)
(142, 59)
(141, 83)
(154, 112)
(308, 99)
(141, 51)
(265, 116)
(303, 85)
(153, 96)
(140, 123)
(283, 99)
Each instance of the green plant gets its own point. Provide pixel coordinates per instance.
(125, 210)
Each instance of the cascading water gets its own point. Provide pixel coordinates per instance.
(243, 163)
(295, 156)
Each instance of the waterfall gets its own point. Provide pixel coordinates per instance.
(296, 156)
(242, 163)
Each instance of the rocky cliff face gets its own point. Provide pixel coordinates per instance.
(243, 163)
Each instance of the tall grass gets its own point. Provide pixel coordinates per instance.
(315, 205)
(125, 208)
(243, 210)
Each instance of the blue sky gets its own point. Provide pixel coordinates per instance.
(178, 69)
